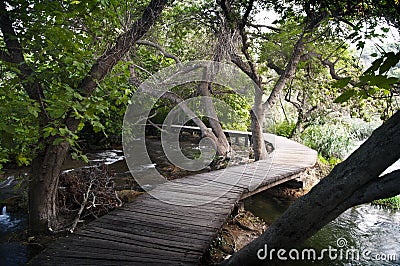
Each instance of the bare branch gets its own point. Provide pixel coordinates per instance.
(257, 26)
(83, 205)
(161, 49)
(326, 62)
(246, 15)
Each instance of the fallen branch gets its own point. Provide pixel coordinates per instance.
(83, 204)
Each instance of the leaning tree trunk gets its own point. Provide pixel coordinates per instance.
(43, 186)
(355, 181)
(222, 144)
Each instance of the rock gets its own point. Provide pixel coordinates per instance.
(128, 195)
(228, 242)
(14, 204)
(245, 221)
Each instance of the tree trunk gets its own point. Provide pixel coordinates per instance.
(222, 145)
(43, 186)
(257, 115)
(355, 181)
(259, 109)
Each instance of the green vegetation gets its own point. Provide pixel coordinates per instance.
(391, 203)
(334, 138)
(284, 129)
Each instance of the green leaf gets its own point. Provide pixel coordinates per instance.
(22, 160)
(381, 81)
(80, 126)
(58, 141)
(342, 82)
(391, 60)
(345, 96)
(375, 65)
(384, 29)
(360, 44)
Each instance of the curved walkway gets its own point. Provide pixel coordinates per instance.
(176, 225)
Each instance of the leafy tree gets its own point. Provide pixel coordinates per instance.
(60, 68)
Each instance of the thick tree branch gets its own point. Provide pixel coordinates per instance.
(14, 55)
(257, 26)
(161, 49)
(288, 73)
(382, 187)
(112, 56)
(238, 61)
(173, 97)
(246, 15)
(13, 46)
(277, 69)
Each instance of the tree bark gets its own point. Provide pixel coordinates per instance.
(355, 181)
(43, 188)
(222, 145)
(257, 115)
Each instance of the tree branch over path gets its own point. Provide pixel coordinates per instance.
(161, 49)
(327, 63)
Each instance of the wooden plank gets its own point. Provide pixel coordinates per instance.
(102, 246)
(154, 218)
(162, 231)
(117, 237)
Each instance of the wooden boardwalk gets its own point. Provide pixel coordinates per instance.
(151, 231)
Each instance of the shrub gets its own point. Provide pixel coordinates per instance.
(329, 140)
(283, 129)
(334, 138)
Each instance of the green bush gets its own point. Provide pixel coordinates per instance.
(283, 129)
(329, 140)
(358, 128)
(334, 138)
